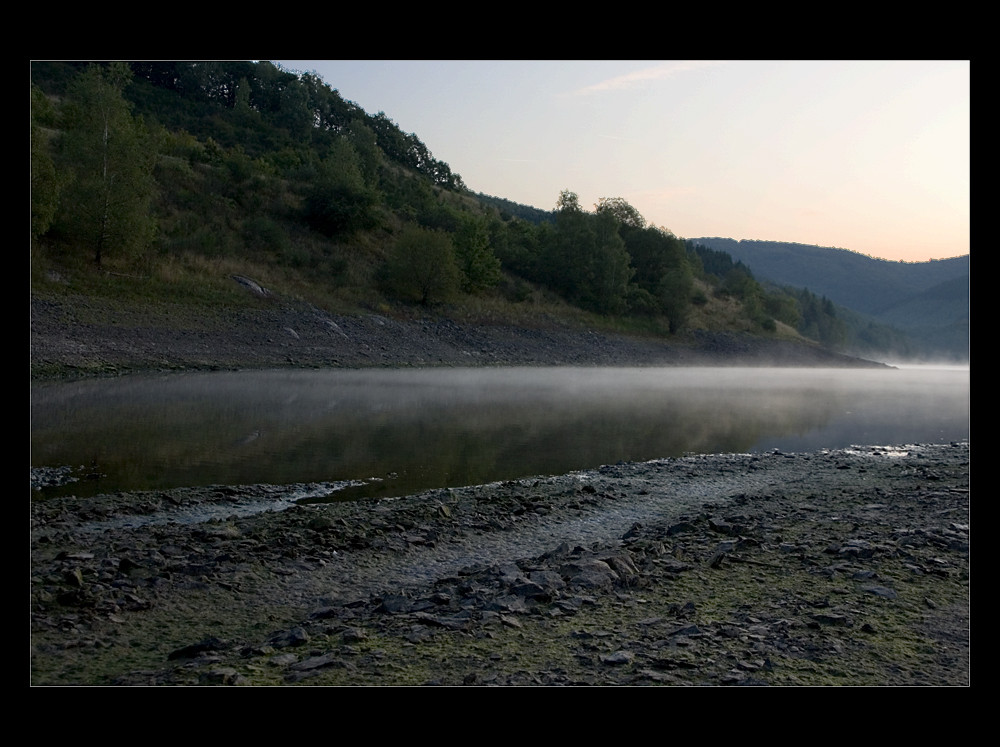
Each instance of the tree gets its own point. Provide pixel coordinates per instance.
(339, 201)
(609, 270)
(45, 182)
(675, 295)
(476, 259)
(624, 213)
(366, 146)
(516, 245)
(568, 202)
(422, 267)
(585, 259)
(111, 158)
(564, 256)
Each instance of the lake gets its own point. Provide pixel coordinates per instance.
(382, 432)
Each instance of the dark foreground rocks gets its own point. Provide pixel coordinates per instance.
(835, 568)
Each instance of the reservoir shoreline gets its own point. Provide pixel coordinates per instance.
(64, 346)
(846, 567)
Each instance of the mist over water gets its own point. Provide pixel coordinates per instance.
(400, 431)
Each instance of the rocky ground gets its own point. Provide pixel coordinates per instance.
(843, 567)
(65, 340)
(846, 567)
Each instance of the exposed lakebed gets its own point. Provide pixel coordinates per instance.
(806, 566)
(833, 567)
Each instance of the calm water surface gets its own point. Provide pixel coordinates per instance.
(395, 432)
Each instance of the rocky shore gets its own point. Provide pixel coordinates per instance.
(66, 340)
(842, 567)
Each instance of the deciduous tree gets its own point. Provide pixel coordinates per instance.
(624, 213)
(45, 182)
(111, 157)
(476, 259)
(585, 260)
(339, 201)
(422, 267)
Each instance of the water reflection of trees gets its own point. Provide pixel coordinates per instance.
(429, 429)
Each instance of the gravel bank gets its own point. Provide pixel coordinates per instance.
(845, 567)
(300, 335)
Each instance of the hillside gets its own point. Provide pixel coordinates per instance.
(215, 170)
(929, 301)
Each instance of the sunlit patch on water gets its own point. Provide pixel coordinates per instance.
(892, 452)
(897, 452)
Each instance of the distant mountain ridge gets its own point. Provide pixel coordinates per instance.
(927, 300)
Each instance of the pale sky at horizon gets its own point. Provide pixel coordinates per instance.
(871, 156)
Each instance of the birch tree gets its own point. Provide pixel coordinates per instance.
(110, 157)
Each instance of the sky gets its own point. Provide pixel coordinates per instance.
(871, 156)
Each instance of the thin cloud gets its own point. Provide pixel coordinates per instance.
(657, 72)
(666, 194)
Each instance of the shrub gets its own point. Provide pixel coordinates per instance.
(422, 267)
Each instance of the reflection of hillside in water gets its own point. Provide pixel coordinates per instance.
(438, 427)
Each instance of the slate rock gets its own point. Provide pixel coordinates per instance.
(196, 649)
(296, 636)
(618, 658)
(591, 574)
(881, 591)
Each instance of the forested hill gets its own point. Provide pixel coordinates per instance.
(866, 284)
(928, 300)
(158, 182)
